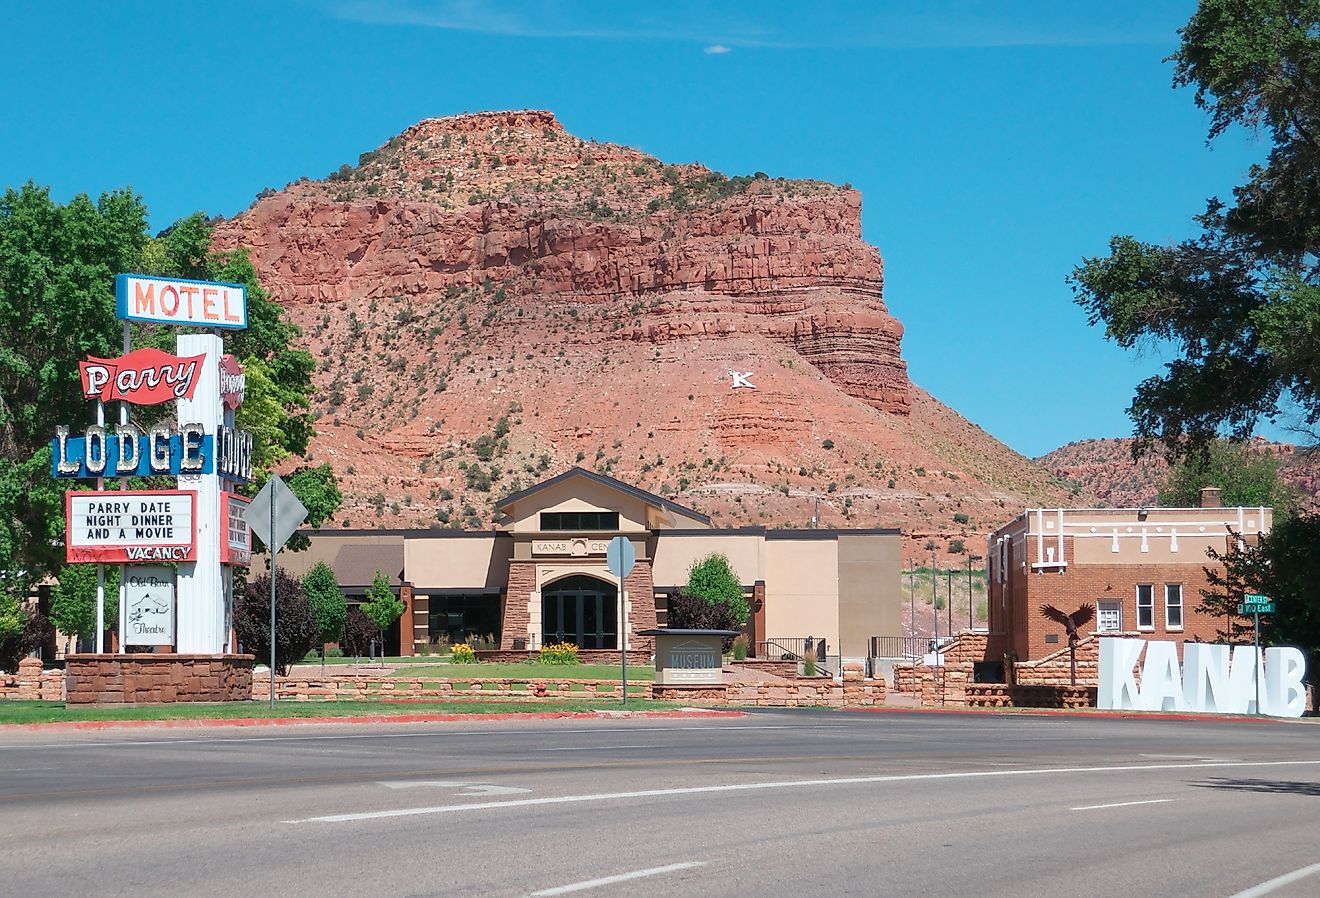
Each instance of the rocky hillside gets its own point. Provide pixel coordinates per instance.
(492, 300)
(1105, 468)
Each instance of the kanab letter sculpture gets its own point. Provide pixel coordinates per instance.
(1071, 622)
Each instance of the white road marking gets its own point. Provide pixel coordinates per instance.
(1184, 758)
(1121, 804)
(610, 880)
(126, 743)
(780, 784)
(593, 747)
(467, 788)
(1278, 882)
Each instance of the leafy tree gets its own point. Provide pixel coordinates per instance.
(713, 579)
(382, 606)
(1244, 477)
(1239, 303)
(73, 601)
(26, 630)
(329, 607)
(295, 626)
(57, 265)
(358, 633)
(1283, 565)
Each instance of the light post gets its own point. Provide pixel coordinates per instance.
(970, 560)
(948, 575)
(934, 597)
(912, 604)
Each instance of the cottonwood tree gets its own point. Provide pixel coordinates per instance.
(1239, 304)
(1243, 475)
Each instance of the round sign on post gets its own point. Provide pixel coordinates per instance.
(620, 558)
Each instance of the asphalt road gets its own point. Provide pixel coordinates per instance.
(779, 803)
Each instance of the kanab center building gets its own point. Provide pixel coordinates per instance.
(540, 575)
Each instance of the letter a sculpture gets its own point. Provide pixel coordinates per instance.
(1079, 618)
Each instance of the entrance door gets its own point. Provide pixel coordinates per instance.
(582, 611)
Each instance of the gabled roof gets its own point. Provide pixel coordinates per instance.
(649, 498)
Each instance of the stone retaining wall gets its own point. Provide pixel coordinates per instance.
(906, 679)
(154, 679)
(350, 687)
(855, 691)
(1000, 695)
(31, 683)
(786, 669)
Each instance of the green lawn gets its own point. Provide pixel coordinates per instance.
(53, 712)
(523, 670)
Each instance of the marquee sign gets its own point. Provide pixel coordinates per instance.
(126, 451)
(149, 605)
(131, 526)
(236, 547)
(1210, 678)
(177, 301)
(142, 377)
(234, 454)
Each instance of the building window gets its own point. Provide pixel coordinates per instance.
(580, 610)
(1173, 612)
(1109, 617)
(579, 520)
(1145, 607)
(458, 618)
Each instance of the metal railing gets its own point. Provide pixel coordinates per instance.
(899, 646)
(791, 648)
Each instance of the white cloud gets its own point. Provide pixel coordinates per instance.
(716, 50)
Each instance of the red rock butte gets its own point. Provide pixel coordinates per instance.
(513, 198)
(488, 293)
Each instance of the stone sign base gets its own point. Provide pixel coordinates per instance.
(154, 679)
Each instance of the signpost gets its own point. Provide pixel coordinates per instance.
(1255, 604)
(275, 513)
(620, 558)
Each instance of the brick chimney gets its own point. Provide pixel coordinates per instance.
(1210, 497)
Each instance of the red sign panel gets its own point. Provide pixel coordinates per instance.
(233, 381)
(131, 526)
(143, 377)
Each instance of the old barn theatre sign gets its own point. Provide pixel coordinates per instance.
(1217, 678)
(125, 451)
(177, 301)
(149, 605)
(142, 377)
(131, 526)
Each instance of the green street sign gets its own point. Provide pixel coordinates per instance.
(1266, 607)
(1255, 598)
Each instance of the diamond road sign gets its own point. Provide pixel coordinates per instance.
(289, 513)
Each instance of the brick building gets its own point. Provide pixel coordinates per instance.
(1143, 568)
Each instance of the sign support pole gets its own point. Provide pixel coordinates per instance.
(623, 639)
(273, 550)
(100, 568)
(1260, 668)
(123, 485)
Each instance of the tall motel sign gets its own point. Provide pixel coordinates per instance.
(177, 548)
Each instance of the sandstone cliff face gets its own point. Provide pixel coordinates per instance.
(491, 300)
(784, 260)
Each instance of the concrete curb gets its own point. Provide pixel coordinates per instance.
(213, 723)
(1089, 713)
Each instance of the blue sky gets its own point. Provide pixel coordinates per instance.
(995, 144)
